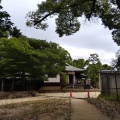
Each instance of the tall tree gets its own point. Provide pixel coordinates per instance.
(94, 68)
(15, 57)
(68, 12)
(94, 58)
(31, 57)
(116, 62)
(55, 56)
(6, 26)
(106, 67)
(5, 23)
(80, 63)
(15, 32)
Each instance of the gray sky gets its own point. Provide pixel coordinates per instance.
(92, 37)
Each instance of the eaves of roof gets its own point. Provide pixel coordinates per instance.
(72, 68)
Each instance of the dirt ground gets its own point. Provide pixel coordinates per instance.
(49, 109)
(52, 109)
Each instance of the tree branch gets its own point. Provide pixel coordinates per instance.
(92, 9)
(58, 8)
(39, 21)
(118, 3)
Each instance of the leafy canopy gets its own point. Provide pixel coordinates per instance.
(6, 26)
(68, 12)
(35, 57)
(116, 62)
(106, 67)
(95, 66)
(80, 63)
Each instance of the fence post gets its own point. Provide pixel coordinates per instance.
(102, 89)
(116, 88)
(108, 86)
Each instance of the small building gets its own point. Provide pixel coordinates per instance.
(109, 82)
(73, 74)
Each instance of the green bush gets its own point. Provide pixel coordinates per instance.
(63, 80)
(111, 97)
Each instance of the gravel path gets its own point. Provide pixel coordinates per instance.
(81, 110)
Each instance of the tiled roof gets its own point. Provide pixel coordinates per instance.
(106, 71)
(72, 68)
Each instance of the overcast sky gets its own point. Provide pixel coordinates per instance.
(92, 37)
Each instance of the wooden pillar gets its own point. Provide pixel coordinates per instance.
(99, 84)
(68, 79)
(74, 81)
(2, 85)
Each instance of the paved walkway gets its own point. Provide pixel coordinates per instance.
(74, 94)
(81, 110)
(46, 95)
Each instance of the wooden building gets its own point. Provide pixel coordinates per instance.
(73, 74)
(109, 81)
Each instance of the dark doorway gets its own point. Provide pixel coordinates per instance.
(70, 79)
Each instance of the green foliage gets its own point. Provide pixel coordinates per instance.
(80, 63)
(111, 97)
(68, 12)
(54, 56)
(106, 67)
(5, 23)
(94, 68)
(6, 26)
(30, 58)
(15, 32)
(93, 58)
(13, 55)
(116, 62)
(63, 80)
(66, 27)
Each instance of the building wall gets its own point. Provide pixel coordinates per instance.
(55, 79)
(111, 78)
(107, 82)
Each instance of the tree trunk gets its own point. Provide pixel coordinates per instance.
(23, 80)
(2, 85)
(118, 3)
(12, 88)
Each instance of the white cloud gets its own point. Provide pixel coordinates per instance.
(76, 53)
